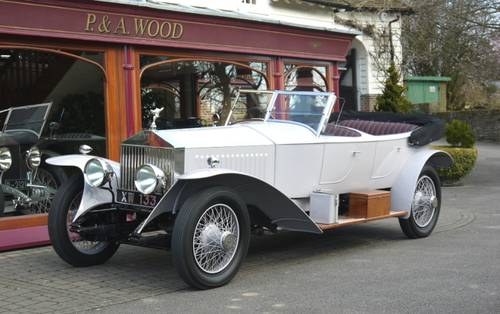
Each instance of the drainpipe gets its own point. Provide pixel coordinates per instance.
(391, 44)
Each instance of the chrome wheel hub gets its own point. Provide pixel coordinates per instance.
(215, 238)
(425, 202)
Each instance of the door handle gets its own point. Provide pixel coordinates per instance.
(356, 152)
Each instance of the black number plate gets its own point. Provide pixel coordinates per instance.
(16, 184)
(137, 198)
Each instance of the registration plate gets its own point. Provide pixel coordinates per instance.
(137, 198)
(16, 184)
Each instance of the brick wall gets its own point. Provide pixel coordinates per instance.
(485, 123)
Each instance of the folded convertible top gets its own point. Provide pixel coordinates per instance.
(429, 129)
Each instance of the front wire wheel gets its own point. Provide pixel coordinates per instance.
(425, 206)
(215, 238)
(68, 245)
(210, 237)
(82, 245)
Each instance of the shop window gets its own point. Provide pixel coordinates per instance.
(72, 82)
(195, 93)
(305, 78)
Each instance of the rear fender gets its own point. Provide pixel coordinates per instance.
(92, 196)
(403, 189)
(280, 210)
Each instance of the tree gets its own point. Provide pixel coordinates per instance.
(393, 98)
(454, 38)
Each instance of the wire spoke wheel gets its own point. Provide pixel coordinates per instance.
(215, 238)
(424, 202)
(84, 246)
(46, 179)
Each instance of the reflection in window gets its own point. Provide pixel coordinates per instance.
(72, 114)
(305, 78)
(75, 88)
(196, 93)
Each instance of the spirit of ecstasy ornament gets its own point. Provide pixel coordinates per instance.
(156, 114)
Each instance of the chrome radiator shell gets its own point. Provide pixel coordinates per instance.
(134, 156)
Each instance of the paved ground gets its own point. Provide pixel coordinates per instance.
(370, 268)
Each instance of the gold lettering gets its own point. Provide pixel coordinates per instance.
(151, 28)
(121, 27)
(104, 26)
(140, 26)
(164, 34)
(150, 32)
(91, 18)
(178, 30)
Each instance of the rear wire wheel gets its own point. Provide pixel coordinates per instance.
(425, 206)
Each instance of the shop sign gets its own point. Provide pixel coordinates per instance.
(133, 26)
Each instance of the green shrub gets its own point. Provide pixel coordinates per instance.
(463, 163)
(459, 134)
(393, 97)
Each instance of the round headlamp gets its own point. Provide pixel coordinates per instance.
(149, 178)
(5, 159)
(34, 158)
(97, 172)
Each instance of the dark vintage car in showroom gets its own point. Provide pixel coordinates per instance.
(28, 184)
(281, 163)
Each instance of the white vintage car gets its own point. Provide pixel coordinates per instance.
(278, 164)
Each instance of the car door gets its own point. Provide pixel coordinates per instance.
(347, 163)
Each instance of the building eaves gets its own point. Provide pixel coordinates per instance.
(362, 5)
(183, 8)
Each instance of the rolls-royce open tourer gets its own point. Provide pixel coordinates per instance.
(283, 161)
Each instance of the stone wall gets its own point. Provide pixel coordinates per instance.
(485, 123)
(368, 102)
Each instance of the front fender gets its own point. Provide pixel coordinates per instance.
(404, 187)
(280, 210)
(92, 196)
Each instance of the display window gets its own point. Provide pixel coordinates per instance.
(303, 77)
(51, 102)
(197, 92)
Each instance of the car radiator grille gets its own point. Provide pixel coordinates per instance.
(133, 156)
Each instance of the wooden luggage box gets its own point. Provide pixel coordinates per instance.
(369, 204)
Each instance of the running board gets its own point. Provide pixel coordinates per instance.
(345, 221)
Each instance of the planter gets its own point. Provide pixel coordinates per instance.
(464, 160)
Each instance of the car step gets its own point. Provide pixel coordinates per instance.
(345, 221)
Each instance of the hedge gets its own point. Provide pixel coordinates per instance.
(464, 160)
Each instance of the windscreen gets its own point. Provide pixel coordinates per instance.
(249, 105)
(31, 118)
(305, 108)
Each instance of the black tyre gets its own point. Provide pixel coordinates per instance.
(52, 178)
(210, 237)
(425, 206)
(68, 245)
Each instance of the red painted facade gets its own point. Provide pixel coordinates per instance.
(104, 22)
(124, 33)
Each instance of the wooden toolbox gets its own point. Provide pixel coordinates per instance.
(369, 204)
